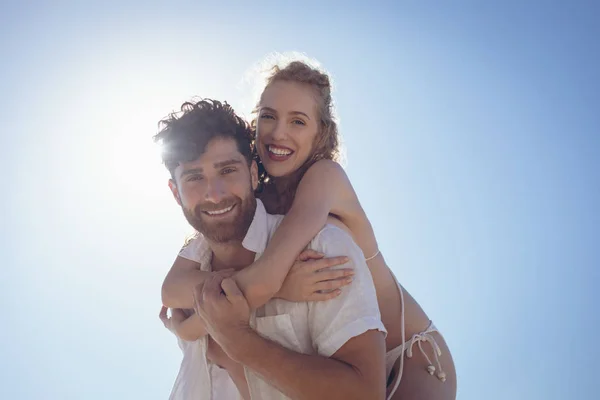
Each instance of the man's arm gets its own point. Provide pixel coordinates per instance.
(346, 329)
(355, 371)
(355, 368)
(180, 281)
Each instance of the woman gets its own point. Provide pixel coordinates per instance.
(297, 142)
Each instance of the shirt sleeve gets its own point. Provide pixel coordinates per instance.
(355, 311)
(192, 249)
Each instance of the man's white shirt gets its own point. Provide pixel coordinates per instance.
(319, 328)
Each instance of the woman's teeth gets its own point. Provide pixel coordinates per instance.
(219, 212)
(279, 151)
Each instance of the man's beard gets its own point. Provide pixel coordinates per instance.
(223, 231)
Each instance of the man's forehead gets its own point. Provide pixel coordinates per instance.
(218, 152)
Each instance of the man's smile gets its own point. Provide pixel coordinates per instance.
(221, 212)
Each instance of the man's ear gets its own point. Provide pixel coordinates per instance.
(254, 175)
(174, 190)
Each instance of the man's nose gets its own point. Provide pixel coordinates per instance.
(215, 191)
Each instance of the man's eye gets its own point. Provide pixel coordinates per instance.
(227, 171)
(194, 178)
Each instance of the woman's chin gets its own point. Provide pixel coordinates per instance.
(279, 171)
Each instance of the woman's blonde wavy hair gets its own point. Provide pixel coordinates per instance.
(300, 69)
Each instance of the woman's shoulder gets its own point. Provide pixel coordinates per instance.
(330, 175)
(326, 166)
(327, 174)
(345, 205)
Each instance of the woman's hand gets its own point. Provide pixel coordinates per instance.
(173, 322)
(164, 317)
(312, 278)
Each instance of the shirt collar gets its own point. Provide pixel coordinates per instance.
(257, 236)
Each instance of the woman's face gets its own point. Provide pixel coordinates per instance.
(287, 126)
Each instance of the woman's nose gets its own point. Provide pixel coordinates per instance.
(279, 131)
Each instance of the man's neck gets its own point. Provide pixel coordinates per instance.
(230, 255)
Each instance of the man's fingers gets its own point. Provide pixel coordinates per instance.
(226, 273)
(327, 262)
(210, 289)
(329, 274)
(231, 289)
(212, 286)
(310, 255)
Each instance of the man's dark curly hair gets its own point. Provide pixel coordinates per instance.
(185, 134)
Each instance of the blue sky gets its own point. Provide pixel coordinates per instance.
(472, 135)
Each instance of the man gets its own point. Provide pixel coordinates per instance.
(318, 350)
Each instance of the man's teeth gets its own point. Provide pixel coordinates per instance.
(279, 152)
(217, 212)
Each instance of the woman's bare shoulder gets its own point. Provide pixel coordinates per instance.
(327, 169)
(329, 175)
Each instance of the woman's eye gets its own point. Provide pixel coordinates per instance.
(267, 116)
(298, 122)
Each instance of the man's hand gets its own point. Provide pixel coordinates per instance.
(225, 312)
